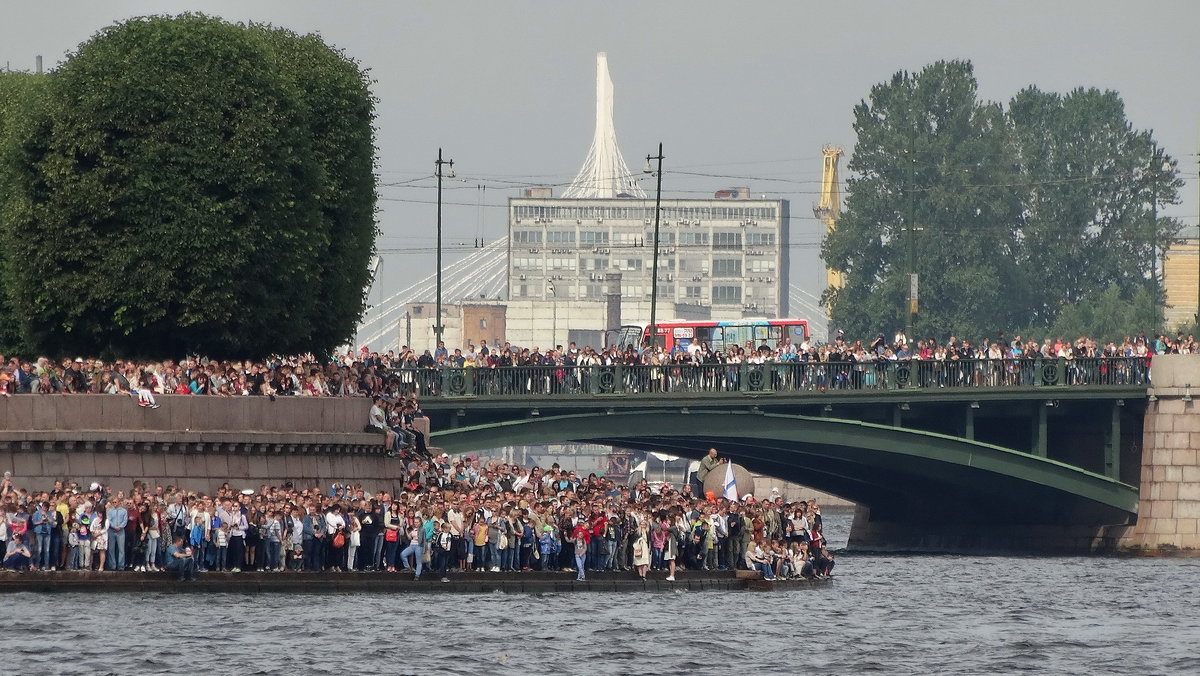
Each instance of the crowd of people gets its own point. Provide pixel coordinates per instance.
(838, 363)
(808, 365)
(342, 375)
(460, 515)
(444, 516)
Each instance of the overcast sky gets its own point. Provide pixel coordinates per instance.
(746, 91)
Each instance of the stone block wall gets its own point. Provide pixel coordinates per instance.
(1169, 488)
(195, 442)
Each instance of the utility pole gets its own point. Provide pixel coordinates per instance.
(1153, 243)
(910, 232)
(437, 322)
(654, 267)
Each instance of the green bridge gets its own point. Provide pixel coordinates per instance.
(1043, 455)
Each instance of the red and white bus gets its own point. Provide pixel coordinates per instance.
(678, 334)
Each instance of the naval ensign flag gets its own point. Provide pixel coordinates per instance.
(730, 484)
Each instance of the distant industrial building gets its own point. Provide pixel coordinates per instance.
(1181, 282)
(724, 257)
(727, 254)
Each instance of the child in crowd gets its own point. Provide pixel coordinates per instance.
(220, 541)
(73, 543)
(548, 548)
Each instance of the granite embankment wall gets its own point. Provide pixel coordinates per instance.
(197, 442)
(1169, 491)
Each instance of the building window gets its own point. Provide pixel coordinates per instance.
(560, 237)
(595, 237)
(527, 237)
(560, 263)
(760, 239)
(727, 295)
(527, 264)
(483, 323)
(727, 240)
(726, 267)
(691, 292)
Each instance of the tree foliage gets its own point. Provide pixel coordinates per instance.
(1017, 214)
(186, 198)
(23, 134)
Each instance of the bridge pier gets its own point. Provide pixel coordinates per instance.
(1112, 445)
(1169, 496)
(1038, 429)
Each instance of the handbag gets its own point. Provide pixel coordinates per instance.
(391, 535)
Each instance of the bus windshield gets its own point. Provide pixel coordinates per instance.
(630, 334)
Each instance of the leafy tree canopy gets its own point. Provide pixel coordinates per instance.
(1010, 216)
(180, 192)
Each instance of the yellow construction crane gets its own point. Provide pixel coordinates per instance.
(830, 205)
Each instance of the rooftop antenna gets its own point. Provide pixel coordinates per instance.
(604, 173)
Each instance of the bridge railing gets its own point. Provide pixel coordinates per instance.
(551, 381)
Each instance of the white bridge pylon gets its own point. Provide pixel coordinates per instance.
(482, 273)
(604, 174)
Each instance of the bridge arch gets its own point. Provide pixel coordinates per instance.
(905, 474)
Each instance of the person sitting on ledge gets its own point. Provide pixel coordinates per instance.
(180, 560)
(17, 555)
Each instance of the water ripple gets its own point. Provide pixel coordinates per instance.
(882, 615)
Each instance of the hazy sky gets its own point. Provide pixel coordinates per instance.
(746, 91)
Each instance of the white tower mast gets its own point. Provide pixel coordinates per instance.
(604, 173)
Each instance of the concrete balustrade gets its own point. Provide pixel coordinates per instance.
(198, 442)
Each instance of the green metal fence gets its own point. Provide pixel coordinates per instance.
(553, 381)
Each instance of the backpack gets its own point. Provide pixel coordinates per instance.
(339, 540)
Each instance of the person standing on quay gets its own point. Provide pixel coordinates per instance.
(582, 537)
(118, 518)
(641, 550)
(707, 464)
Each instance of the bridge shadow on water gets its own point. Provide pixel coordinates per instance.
(918, 490)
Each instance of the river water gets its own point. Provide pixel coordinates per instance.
(882, 614)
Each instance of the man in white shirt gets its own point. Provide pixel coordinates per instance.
(377, 418)
(334, 521)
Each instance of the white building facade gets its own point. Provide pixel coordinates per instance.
(725, 257)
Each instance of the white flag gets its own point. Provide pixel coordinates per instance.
(731, 492)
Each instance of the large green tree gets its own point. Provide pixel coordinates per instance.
(1007, 216)
(1088, 183)
(182, 199)
(23, 135)
(338, 106)
(922, 199)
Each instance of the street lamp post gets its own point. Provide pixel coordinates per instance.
(553, 314)
(654, 267)
(437, 322)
